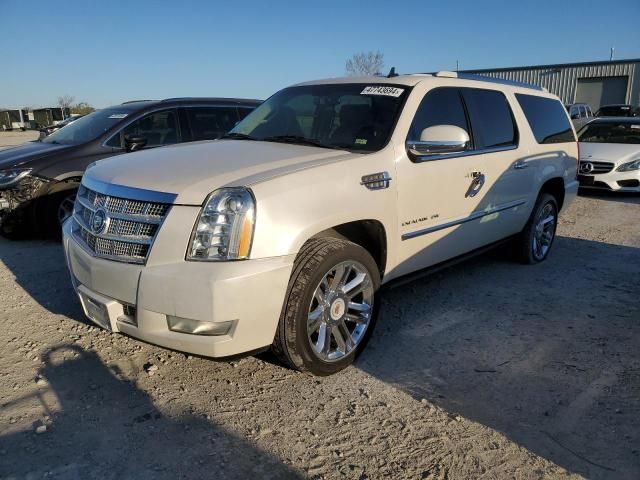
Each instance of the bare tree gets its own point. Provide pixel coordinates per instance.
(64, 102)
(365, 63)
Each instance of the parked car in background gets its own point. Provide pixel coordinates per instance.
(39, 180)
(281, 234)
(610, 154)
(580, 114)
(619, 110)
(49, 129)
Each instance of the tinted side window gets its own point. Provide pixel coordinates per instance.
(491, 119)
(159, 128)
(209, 123)
(115, 141)
(547, 119)
(442, 106)
(243, 112)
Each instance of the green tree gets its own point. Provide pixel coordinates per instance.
(82, 108)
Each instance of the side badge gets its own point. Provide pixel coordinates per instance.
(376, 181)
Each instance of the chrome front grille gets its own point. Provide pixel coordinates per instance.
(121, 230)
(588, 167)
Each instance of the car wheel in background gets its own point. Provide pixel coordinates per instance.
(58, 208)
(534, 242)
(330, 307)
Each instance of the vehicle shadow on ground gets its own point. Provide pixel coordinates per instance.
(546, 354)
(105, 427)
(620, 197)
(40, 269)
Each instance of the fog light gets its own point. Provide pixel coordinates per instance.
(196, 327)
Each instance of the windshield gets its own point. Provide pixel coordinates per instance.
(87, 128)
(611, 133)
(357, 117)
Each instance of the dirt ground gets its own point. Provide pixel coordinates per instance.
(13, 138)
(486, 370)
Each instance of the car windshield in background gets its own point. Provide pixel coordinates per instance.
(616, 111)
(357, 117)
(87, 128)
(611, 132)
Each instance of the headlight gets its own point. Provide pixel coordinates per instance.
(626, 167)
(11, 177)
(224, 230)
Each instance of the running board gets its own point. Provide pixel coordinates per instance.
(411, 277)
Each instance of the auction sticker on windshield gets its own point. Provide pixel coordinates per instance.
(388, 91)
(118, 115)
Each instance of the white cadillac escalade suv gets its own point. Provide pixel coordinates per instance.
(281, 234)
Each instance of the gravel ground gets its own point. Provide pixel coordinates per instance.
(13, 138)
(486, 370)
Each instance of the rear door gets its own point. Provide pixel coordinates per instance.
(210, 122)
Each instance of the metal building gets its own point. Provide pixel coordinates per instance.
(594, 83)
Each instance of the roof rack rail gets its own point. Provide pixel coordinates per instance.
(485, 78)
(173, 99)
(136, 101)
(513, 83)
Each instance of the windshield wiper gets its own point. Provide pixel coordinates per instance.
(300, 140)
(237, 136)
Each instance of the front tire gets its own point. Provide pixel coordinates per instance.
(330, 308)
(534, 242)
(58, 208)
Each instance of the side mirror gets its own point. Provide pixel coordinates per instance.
(438, 140)
(133, 143)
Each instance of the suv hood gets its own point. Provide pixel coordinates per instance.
(23, 155)
(194, 170)
(609, 152)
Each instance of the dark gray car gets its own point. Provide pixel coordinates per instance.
(39, 180)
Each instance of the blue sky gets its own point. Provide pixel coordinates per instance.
(105, 52)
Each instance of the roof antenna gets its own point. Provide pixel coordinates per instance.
(392, 73)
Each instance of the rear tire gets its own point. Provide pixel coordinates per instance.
(330, 307)
(534, 242)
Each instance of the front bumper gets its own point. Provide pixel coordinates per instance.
(614, 181)
(250, 293)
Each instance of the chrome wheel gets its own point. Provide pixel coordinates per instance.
(544, 231)
(340, 311)
(65, 209)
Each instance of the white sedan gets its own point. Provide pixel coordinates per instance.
(610, 154)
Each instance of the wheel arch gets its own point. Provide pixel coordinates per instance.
(554, 186)
(370, 234)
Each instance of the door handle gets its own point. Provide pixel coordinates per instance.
(476, 184)
(519, 165)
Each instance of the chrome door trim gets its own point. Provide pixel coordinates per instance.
(468, 153)
(520, 164)
(470, 218)
(129, 193)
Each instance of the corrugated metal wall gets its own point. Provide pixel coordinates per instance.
(562, 80)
